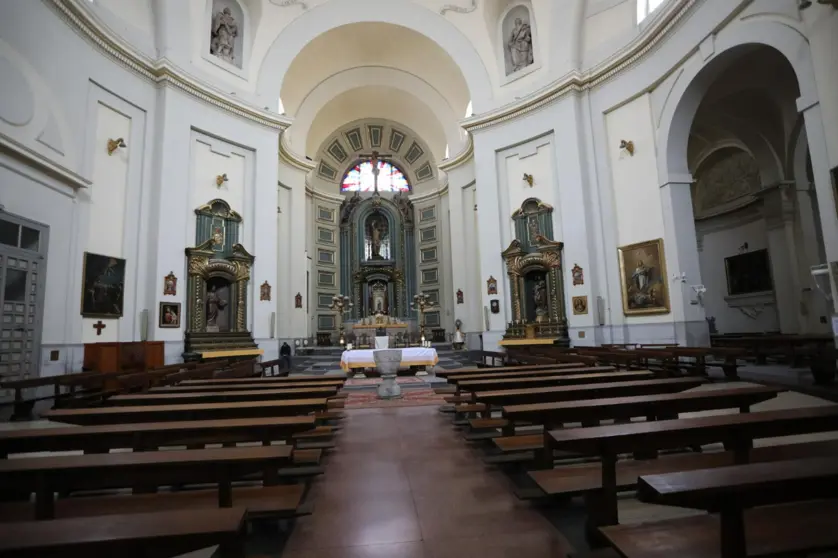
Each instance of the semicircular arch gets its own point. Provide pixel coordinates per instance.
(336, 13)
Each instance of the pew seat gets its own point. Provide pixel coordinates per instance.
(279, 501)
(572, 480)
(781, 530)
(126, 536)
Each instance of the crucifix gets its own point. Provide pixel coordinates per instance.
(375, 158)
(99, 326)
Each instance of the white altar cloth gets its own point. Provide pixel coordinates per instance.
(382, 342)
(412, 356)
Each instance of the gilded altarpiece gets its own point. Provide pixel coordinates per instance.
(534, 266)
(218, 277)
(378, 262)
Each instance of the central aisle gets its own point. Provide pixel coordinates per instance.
(403, 484)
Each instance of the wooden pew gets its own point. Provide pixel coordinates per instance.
(153, 436)
(736, 431)
(554, 380)
(198, 411)
(585, 391)
(531, 373)
(264, 380)
(47, 475)
(241, 387)
(127, 536)
(791, 529)
(660, 406)
(506, 369)
(222, 396)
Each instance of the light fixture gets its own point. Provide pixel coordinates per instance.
(628, 146)
(528, 178)
(114, 144)
(221, 179)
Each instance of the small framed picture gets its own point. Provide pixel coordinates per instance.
(495, 306)
(169, 315)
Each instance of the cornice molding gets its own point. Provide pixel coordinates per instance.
(287, 155)
(575, 82)
(59, 172)
(161, 71)
(461, 158)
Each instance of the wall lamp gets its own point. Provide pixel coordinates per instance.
(221, 179)
(114, 144)
(628, 146)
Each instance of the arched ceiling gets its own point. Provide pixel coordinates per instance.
(377, 102)
(375, 70)
(402, 145)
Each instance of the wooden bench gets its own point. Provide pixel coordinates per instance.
(269, 365)
(555, 380)
(731, 490)
(590, 412)
(47, 475)
(127, 536)
(197, 411)
(521, 368)
(265, 380)
(557, 369)
(222, 396)
(737, 432)
(481, 357)
(586, 391)
(181, 388)
(152, 436)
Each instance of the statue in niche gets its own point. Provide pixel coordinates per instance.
(224, 32)
(520, 45)
(532, 227)
(378, 229)
(540, 299)
(214, 304)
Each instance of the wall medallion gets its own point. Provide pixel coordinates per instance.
(170, 284)
(459, 296)
(580, 305)
(265, 291)
(495, 306)
(298, 301)
(578, 275)
(492, 285)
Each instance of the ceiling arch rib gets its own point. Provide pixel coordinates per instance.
(377, 102)
(376, 76)
(274, 72)
(344, 147)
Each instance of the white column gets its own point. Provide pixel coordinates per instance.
(778, 210)
(490, 220)
(293, 322)
(681, 249)
(812, 117)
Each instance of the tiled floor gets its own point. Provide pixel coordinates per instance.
(402, 484)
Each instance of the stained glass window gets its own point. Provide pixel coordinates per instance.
(360, 178)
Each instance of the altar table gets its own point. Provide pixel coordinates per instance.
(412, 356)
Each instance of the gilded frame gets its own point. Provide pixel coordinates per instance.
(659, 286)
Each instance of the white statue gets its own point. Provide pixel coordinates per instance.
(520, 45)
(224, 33)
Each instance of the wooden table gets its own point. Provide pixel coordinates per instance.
(730, 490)
(127, 536)
(586, 391)
(198, 411)
(736, 431)
(221, 396)
(48, 475)
(512, 383)
(152, 436)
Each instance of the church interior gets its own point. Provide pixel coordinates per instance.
(418, 278)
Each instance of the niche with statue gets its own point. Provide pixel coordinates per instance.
(218, 269)
(534, 266)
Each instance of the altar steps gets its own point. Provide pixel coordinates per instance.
(198, 342)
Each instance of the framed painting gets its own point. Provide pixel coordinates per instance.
(643, 278)
(169, 315)
(103, 286)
